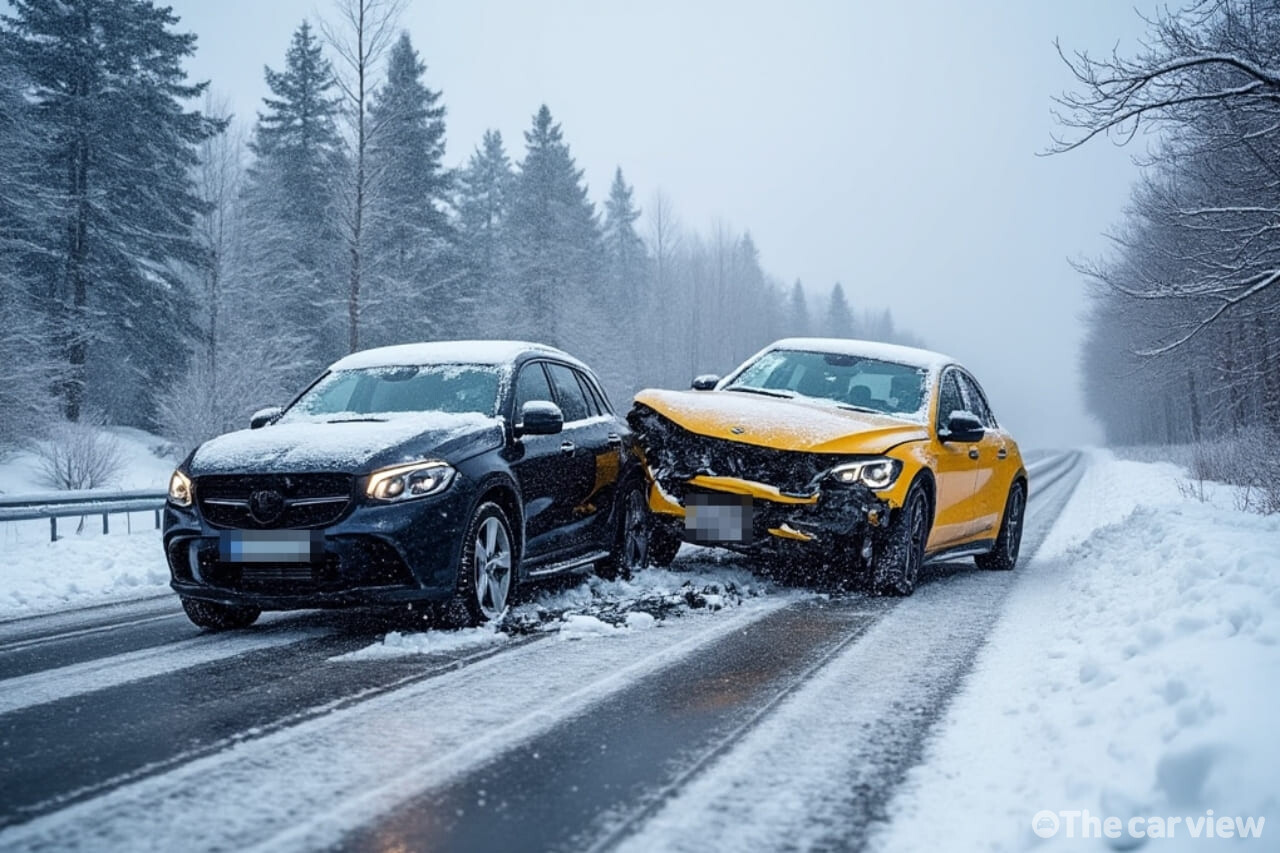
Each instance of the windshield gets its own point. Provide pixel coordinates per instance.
(855, 382)
(376, 392)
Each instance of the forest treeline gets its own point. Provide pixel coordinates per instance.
(168, 266)
(1184, 327)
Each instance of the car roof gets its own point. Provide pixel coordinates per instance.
(896, 353)
(497, 353)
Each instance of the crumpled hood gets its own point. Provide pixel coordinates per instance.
(780, 423)
(355, 447)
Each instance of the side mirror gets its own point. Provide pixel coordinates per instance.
(963, 427)
(539, 417)
(262, 417)
(705, 382)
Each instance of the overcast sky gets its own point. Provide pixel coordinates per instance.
(890, 146)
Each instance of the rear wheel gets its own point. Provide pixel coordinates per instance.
(213, 616)
(487, 571)
(897, 567)
(631, 545)
(1004, 556)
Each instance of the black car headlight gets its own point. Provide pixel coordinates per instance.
(180, 492)
(878, 473)
(409, 481)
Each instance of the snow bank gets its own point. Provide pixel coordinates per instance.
(38, 576)
(1135, 676)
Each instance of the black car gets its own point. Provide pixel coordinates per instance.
(440, 472)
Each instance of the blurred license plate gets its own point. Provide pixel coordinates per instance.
(271, 546)
(710, 518)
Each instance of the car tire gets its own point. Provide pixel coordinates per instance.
(896, 568)
(213, 616)
(630, 551)
(488, 572)
(1004, 555)
(664, 544)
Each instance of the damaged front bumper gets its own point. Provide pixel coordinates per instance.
(793, 499)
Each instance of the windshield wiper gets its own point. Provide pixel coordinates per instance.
(357, 421)
(854, 408)
(786, 395)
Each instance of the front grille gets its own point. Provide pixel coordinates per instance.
(675, 454)
(306, 500)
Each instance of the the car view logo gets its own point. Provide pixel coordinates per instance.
(266, 506)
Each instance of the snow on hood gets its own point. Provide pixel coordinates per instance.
(319, 444)
(798, 424)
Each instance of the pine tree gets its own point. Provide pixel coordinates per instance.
(555, 238)
(839, 320)
(627, 278)
(797, 312)
(485, 188)
(410, 235)
(108, 90)
(290, 203)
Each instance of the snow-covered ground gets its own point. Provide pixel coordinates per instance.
(37, 575)
(1134, 676)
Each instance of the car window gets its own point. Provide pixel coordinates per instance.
(976, 401)
(593, 405)
(594, 394)
(949, 399)
(374, 391)
(853, 381)
(532, 384)
(568, 393)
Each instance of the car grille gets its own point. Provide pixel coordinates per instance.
(271, 501)
(675, 454)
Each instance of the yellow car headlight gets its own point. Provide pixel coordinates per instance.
(409, 481)
(180, 491)
(879, 473)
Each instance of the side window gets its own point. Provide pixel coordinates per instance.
(949, 398)
(977, 401)
(595, 395)
(531, 385)
(568, 392)
(593, 405)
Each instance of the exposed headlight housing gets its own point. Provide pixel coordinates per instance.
(409, 481)
(180, 491)
(878, 473)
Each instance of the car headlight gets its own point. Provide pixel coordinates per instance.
(180, 489)
(872, 473)
(413, 480)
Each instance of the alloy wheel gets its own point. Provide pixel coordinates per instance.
(492, 567)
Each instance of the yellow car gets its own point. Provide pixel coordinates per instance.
(866, 457)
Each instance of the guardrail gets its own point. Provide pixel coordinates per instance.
(55, 505)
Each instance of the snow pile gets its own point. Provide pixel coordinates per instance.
(89, 568)
(1135, 676)
(577, 626)
(397, 644)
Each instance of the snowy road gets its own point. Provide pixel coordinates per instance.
(783, 722)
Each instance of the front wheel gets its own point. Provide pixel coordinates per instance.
(487, 571)
(897, 567)
(213, 616)
(1004, 556)
(631, 542)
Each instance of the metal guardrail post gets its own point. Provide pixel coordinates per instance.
(53, 528)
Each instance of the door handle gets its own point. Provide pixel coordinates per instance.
(1002, 453)
(973, 453)
(615, 439)
(567, 447)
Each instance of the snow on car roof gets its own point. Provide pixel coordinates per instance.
(445, 352)
(868, 349)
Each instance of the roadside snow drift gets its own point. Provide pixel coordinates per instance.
(1135, 677)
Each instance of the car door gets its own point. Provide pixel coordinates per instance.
(539, 465)
(608, 436)
(955, 476)
(990, 488)
(578, 445)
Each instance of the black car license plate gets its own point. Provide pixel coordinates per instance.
(712, 519)
(270, 546)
